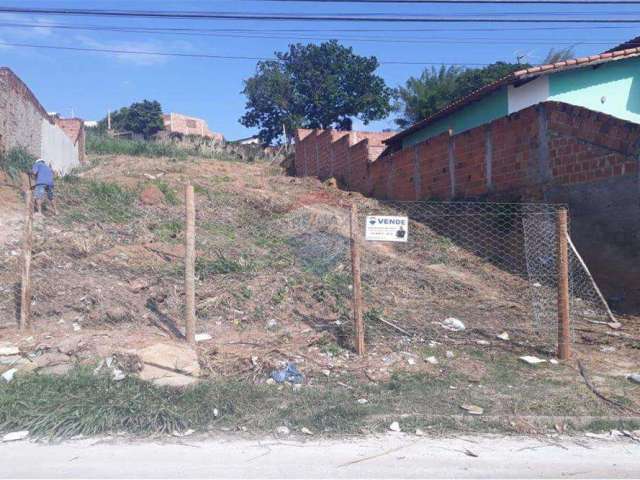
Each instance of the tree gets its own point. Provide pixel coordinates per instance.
(559, 55)
(314, 86)
(436, 88)
(144, 118)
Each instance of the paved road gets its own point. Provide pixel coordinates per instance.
(390, 456)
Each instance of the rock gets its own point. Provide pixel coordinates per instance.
(15, 436)
(419, 432)
(395, 427)
(634, 377)
(306, 431)
(432, 360)
(450, 354)
(171, 356)
(272, 324)
(9, 374)
(484, 343)
(7, 349)
(10, 359)
(165, 378)
(503, 336)
(203, 337)
(61, 369)
(186, 433)
(331, 182)
(270, 381)
(216, 413)
(138, 285)
(51, 359)
(118, 374)
(362, 401)
(411, 361)
(283, 430)
(472, 409)
(453, 324)
(69, 346)
(76, 327)
(326, 373)
(554, 361)
(532, 360)
(151, 195)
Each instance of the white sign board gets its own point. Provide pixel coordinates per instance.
(387, 229)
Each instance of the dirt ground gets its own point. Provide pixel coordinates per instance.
(274, 285)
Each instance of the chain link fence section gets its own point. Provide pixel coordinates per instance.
(491, 265)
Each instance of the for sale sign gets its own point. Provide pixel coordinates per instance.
(387, 229)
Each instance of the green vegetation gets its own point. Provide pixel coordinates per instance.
(170, 195)
(16, 161)
(106, 145)
(81, 403)
(170, 231)
(314, 86)
(90, 200)
(144, 118)
(222, 265)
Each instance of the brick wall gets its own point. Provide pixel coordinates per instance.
(184, 125)
(551, 152)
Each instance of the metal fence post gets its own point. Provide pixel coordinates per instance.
(189, 267)
(27, 240)
(357, 285)
(564, 331)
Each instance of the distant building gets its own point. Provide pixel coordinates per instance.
(90, 124)
(182, 124)
(255, 140)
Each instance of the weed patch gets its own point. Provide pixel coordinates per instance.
(96, 201)
(16, 161)
(222, 265)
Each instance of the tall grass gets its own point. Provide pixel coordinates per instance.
(16, 161)
(91, 200)
(105, 145)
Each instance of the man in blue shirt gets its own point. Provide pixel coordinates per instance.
(44, 184)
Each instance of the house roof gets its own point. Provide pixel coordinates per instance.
(518, 76)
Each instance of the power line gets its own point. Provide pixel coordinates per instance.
(300, 17)
(473, 2)
(276, 36)
(206, 55)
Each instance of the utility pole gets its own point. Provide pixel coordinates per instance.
(108, 119)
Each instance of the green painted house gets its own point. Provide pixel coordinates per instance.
(607, 83)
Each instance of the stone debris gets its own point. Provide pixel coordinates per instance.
(186, 433)
(171, 357)
(532, 360)
(449, 354)
(306, 431)
(203, 337)
(419, 432)
(362, 401)
(634, 377)
(483, 342)
(15, 436)
(453, 324)
(395, 427)
(7, 349)
(283, 431)
(8, 375)
(503, 336)
(432, 360)
(472, 409)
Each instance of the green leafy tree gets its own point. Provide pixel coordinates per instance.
(314, 86)
(437, 87)
(144, 118)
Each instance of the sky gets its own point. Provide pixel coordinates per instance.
(88, 84)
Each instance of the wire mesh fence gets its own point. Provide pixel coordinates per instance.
(494, 266)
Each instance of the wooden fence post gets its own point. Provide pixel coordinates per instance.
(190, 266)
(27, 240)
(357, 285)
(564, 329)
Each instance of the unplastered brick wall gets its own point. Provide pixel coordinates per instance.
(519, 156)
(343, 155)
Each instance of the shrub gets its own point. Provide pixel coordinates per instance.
(16, 161)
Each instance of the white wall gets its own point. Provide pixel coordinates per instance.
(528, 94)
(57, 149)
